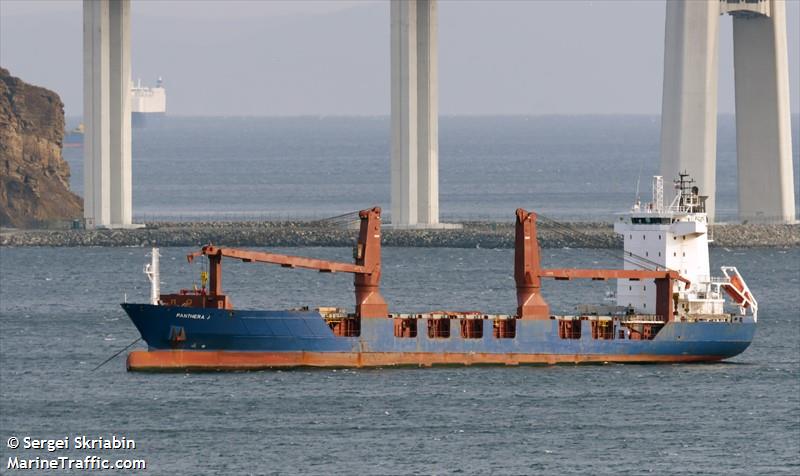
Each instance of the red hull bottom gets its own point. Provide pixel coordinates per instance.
(164, 360)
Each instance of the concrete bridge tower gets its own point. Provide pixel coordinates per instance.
(107, 113)
(689, 109)
(415, 114)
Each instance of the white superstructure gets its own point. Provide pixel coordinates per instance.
(675, 236)
(147, 100)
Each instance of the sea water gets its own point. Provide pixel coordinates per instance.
(565, 167)
(60, 318)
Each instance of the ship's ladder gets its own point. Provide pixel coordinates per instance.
(737, 289)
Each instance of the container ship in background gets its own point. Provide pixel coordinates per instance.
(148, 105)
(668, 308)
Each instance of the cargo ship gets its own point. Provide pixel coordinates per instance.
(668, 308)
(148, 105)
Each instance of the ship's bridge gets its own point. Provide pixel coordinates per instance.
(661, 236)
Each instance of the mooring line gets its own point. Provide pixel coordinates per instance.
(121, 351)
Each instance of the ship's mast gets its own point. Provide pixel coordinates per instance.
(689, 198)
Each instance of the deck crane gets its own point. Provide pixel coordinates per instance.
(528, 274)
(367, 270)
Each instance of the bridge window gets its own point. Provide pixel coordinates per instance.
(648, 220)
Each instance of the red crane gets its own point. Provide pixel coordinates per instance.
(367, 270)
(528, 273)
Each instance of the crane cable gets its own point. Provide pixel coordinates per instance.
(569, 232)
(345, 220)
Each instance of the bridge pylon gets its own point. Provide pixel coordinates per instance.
(107, 114)
(689, 108)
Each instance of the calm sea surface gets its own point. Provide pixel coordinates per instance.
(59, 318)
(568, 167)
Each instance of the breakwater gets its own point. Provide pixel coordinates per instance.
(472, 235)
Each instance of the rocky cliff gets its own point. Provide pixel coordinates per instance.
(34, 178)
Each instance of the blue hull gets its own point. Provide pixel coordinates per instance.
(289, 338)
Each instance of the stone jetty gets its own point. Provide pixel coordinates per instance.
(291, 234)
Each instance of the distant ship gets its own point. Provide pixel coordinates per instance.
(74, 138)
(148, 105)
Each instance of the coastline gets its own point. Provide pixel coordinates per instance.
(308, 233)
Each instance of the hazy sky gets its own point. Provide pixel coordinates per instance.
(332, 58)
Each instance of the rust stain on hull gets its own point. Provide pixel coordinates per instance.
(226, 360)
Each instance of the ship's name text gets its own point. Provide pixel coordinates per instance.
(188, 315)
